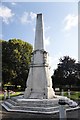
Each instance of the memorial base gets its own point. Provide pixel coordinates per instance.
(19, 104)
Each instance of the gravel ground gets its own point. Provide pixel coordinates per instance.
(75, 114)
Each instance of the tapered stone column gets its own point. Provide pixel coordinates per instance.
(39, 82)
(39, 43)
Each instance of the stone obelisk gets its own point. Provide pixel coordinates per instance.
(39, 83)
(39, 96)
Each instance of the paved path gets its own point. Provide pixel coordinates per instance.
(26, 116)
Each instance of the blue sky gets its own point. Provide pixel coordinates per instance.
(60, 26)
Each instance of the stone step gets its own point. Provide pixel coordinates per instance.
(32, 103)
(41, 101)
(45, 109)
(38, 107)
(8, 104)
(12, 102)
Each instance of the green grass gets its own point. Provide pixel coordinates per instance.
(74, 95)
(11, 95)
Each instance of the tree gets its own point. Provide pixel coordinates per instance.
(66, 73)
(16, 56)
(77, 74)
(0, 63)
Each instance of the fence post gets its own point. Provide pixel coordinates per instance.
(5, 94)
(62, 92)
(69, 93)
(8, 93)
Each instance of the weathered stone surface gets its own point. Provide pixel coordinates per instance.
(32, 105)
(39, 33)
(39, 83)
(46, 106)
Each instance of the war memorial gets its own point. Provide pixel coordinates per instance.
(39, 96)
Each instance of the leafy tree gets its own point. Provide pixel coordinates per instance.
(0, 62)
(67, 72)
(16, 56)
(77, 74)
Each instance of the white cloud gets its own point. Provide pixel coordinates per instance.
(34, 30)
(32, 15)
(53, 64)
(46, 41)
(70, 21)
(24, 18)
(6, 14)
(13, 3)
(54, 61)
(27, 17)
(47, 28)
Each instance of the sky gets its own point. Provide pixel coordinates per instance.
(18, 20)
(40, 0)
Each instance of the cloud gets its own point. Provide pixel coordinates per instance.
(6, 14)
(53, 64)
(32, 15)
(34, 30)
(24, 18)
(47, 28)
(70, 21)
(13, 3)
(46, 41)
(54, 61)
(27, 17)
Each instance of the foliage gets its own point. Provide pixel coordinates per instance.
(67, 73)
(16, 56)
(0, 60)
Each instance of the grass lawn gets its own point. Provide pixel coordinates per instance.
(11, 95)
(73, 95)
